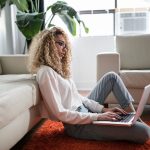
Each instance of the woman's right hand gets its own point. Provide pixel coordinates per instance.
(108, 116)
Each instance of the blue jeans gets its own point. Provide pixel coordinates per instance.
(139, 132)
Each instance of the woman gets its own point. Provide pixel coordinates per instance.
(50, 58)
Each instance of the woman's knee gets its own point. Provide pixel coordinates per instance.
(112, 75)
(142, 133)
(145, 135)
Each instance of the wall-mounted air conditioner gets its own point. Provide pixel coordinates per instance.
(136, 22)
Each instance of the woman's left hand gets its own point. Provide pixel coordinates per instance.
(115, 110)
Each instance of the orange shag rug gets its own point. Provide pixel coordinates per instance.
(50, 136)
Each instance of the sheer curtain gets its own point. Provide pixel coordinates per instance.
(11, 39)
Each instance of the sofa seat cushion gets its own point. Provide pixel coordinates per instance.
(17, 79)
(14, 99)
(135, 78)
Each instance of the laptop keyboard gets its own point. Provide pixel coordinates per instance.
(125, 117)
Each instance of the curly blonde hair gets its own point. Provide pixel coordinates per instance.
(43, 51)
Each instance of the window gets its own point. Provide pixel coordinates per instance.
(133, 3)
(111, 17)
(97, 23)
(96, 15)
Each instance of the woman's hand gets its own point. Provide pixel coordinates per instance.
(108, 116)
(115, 110)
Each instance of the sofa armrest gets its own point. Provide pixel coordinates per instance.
(107, 62)
(14, 64)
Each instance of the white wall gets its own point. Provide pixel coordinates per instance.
(84, 54)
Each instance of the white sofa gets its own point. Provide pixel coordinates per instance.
(19, 100)
(131, 61)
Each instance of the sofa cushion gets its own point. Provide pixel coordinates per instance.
(135, 78)
(23, 79)
(134, 51)
(16, 77)
(14, 64)
(17, 97)
(13, 101)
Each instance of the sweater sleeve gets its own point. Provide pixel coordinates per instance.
(89, 103)
(48, 84)
(92, 105)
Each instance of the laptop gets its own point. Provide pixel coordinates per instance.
(130, 118)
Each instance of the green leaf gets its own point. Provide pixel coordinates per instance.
(85, 28)
(2, 3)
(22, 5)
(68, 15)
(58, 7)
(29, 23)
(81, 21)
(49, 7)
(50, 25)
(70, 22)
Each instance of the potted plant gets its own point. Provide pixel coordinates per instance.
(30, 20)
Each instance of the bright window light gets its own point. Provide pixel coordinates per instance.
(133, 3)
(99, 24)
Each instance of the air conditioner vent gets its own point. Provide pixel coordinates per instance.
(125, 15)
(140, 14)
(136, 22)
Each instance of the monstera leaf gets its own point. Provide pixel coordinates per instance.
(68, 15)
(2, 3)
(70, 22)
(29, 23)
(22, 5)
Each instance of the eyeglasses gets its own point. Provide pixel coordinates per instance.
(61, 43)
